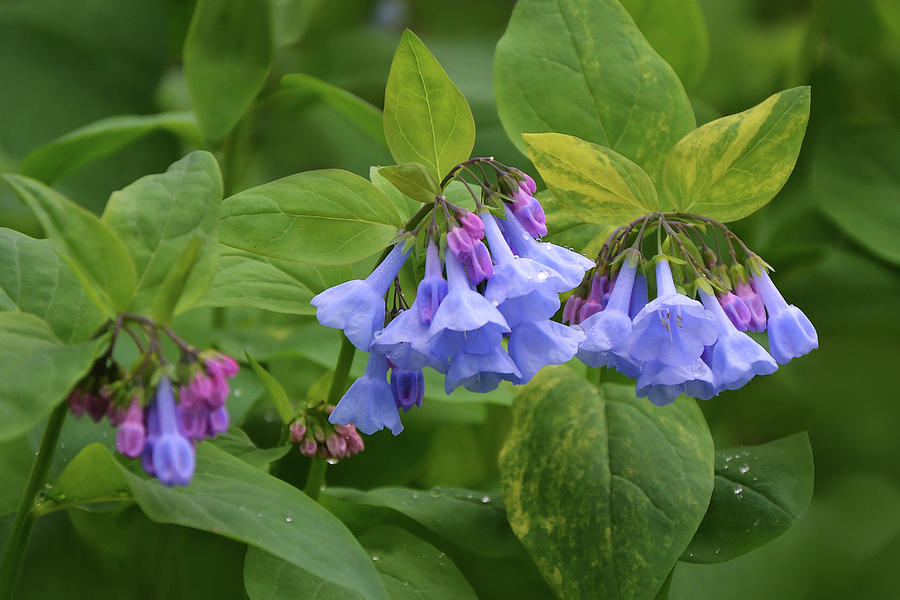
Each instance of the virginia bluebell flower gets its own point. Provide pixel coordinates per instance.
(172, 454)
(571, 309)
(673, 328)
(534, 344)
(735, 358)
(131, 435)
(790, 332)
(608, 333)
(529, 212)
(593, 303)
(639, 295)
(662, 383)
(369, 403)
(746, 291)
(408, 388)
(481, 372)
(737, 310)
(571, 266)
(465, 320)
(478, 263)
(357, 306)
(433, 288)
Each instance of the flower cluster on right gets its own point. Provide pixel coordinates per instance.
(674, 343)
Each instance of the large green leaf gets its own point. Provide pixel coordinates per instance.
(410, 568)
(159, 217)
(355, 109)
(35, 279)
(582, 67)
(414, 180)
(856, 181)
(604, 490)
(591, 183)
(36, 370)
(274, 390)
(94, 251)
(731, 167)
(426, 118)
(234, 499)
(227, 54)
(327, 217)
(249, 280)
(81, 147)
(676, 29)
(760, 492)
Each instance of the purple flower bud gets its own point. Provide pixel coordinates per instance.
(459, 242)
(308, 448)
(337, 446)
(218, 421)
(472, 225)
(528, 183)
(97, 404)
(131, 434)
(570, 311)
(408, 388)
(478, 263)
(115, 414)
(433, 289)
(173, 455)
(298, 431)
(352, 438)
(78, 402)
(530, 213)
(201, 385)
(736, 310)
(593, 303)
(754, 302)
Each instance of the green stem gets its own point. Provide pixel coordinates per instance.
(315, 479)
(14, 554)
(341, 371)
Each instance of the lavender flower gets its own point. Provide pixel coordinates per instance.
(172, 455)
(737, 310)
(746, 291)
(662, 383)
(369, 403)
(131, 435)
(534, 344)
(790, 332)
(571, 266)
(408, 387)
(481, 372)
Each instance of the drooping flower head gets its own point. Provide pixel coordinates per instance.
(790, 332)
(408, 387)
(369, 403)
(172, 455)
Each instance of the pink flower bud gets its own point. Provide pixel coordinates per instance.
(298, 431)
(337, 446)
(308, 448)
(570, 312)
(459, 242)
(472, 225)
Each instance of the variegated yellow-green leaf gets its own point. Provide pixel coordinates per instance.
(731, 167)
(426, 118)
(582, 67)
(592, 183)
(605, 490)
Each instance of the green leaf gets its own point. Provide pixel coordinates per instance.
(95, 252)
(410, 568)
(582, 67)
(175, 282)
(85, 145)
(856, 180)
(275, 391)
(592, 184)
(676, 29)
(604, 490)
(356, 110)
(470, 519)
(233, 499)
(404, 204)
(35, 279)
(426, 118)
(415, 180)
(36, 370)
(760, 492)
(237, 443)
(731, 167)
(227, 54)
(160, 217)
(327, 217)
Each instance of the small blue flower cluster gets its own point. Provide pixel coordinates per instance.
(507, 289)
(677, 345)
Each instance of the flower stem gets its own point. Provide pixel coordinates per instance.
(14, 554)
(315, 479)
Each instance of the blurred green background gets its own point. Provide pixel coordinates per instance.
(833, 235)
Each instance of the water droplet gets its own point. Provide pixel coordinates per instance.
(238, 392)
(725, 468)
(690, 555)
(441, 555)
(739, 490)
(435, 492)
(332, 461)
(406, 584)
(415, 495)
(755, 478)
(105, 434)
(61, 498)
(259, 515)
(745, 453)
(288, 520)
(376, 558)
(62, 446)
(242, 508)
(746, 531)
(485, 499)
(718, 550)
(744, 468)
(36, 452)
(756, 522)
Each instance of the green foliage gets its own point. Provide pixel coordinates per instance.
(591, 183)
(582, 67)
(231, 498)
(227, 54)
(760, 493)
(36, 370)
(415, 180)
(729, 168)
(95, 252)
(275, 391)
(409, 567)
(603, 489)
(426, 118)
(170, 224)
(327, 217)
(35, 279)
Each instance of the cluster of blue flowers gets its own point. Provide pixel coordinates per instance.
(675, 344)
(507, 289)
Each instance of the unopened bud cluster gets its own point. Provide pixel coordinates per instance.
(317, 438)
